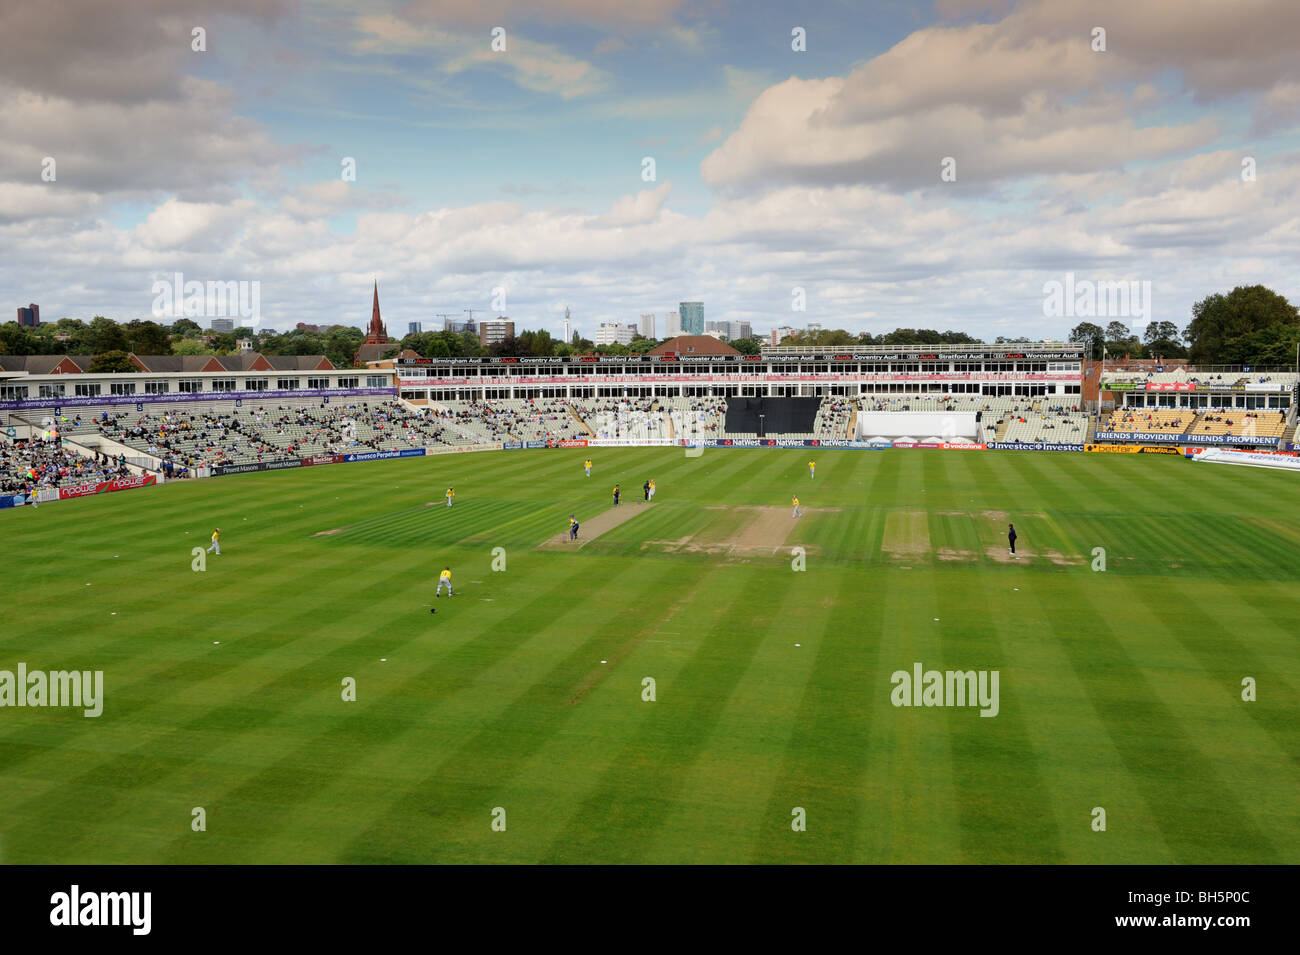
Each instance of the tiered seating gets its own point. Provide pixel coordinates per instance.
(36, 464)
(638, 418)
(210, 437)
(1260, 424)
(541, 419)
(1171, 421)
(832, 422)
(1056, 427)
(706, 416)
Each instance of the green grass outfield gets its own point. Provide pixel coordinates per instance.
(1119, 689)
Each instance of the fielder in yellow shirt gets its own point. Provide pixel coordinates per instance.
(794, 501)
(812, 469)
(216, 541)
(587, 464)
(451, 492)
(444, 578)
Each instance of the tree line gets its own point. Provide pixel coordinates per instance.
(1251, 325)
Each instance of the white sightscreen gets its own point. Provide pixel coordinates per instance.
(918, 424)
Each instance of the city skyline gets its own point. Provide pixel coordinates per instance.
(939, 165)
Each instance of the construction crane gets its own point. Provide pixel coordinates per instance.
(471, 316)
(444, 316)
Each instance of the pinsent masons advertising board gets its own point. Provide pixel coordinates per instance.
(103, 487)
(223, 469)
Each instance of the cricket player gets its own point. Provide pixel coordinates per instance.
(652, 489)
(573, 528)
(216, 541)
(794, 501)
(587, 464)
(617, 491)
(812, 469)
(444, 578)
(645, 489)
(31, 497)
(451, 492)
(1011, 536)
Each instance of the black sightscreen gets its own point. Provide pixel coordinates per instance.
(779, 414)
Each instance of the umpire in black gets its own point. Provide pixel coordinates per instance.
(1011, 536)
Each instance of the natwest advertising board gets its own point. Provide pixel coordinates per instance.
(103, 487)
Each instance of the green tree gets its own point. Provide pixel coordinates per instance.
(471, 347)
(341, 345)
(116, 360)
(1120, 340)
(186, 328)
(1163, 340)
(1094, 336)
(17, 340)
(1222, 326)
(148, 338)
(191, 346)
(747, 346)
(106, 335)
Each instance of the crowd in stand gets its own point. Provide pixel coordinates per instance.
(183, 441)
(31, 465)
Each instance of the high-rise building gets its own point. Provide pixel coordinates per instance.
(672, 324)
(729, 330)
(29, 316)
(493, 331)
(568, 327)
(648, 325)
(692, 317)
(223, 324)
(781, 334)
(612, 333)
(414, 328)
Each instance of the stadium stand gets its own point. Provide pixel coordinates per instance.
(1150, 421)
(1053, 426)
(26, 465)
(1247, 424)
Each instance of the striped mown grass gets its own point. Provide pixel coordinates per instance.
(1118, 689)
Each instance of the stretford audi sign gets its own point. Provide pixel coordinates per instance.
(736, 359)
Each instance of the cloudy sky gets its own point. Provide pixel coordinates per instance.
(526, 169)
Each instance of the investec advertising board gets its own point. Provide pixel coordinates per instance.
(1033, 446)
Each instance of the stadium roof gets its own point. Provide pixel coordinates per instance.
(46, 364)
(168, 364)
(694, 345)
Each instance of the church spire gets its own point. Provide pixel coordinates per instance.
(378, 333)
